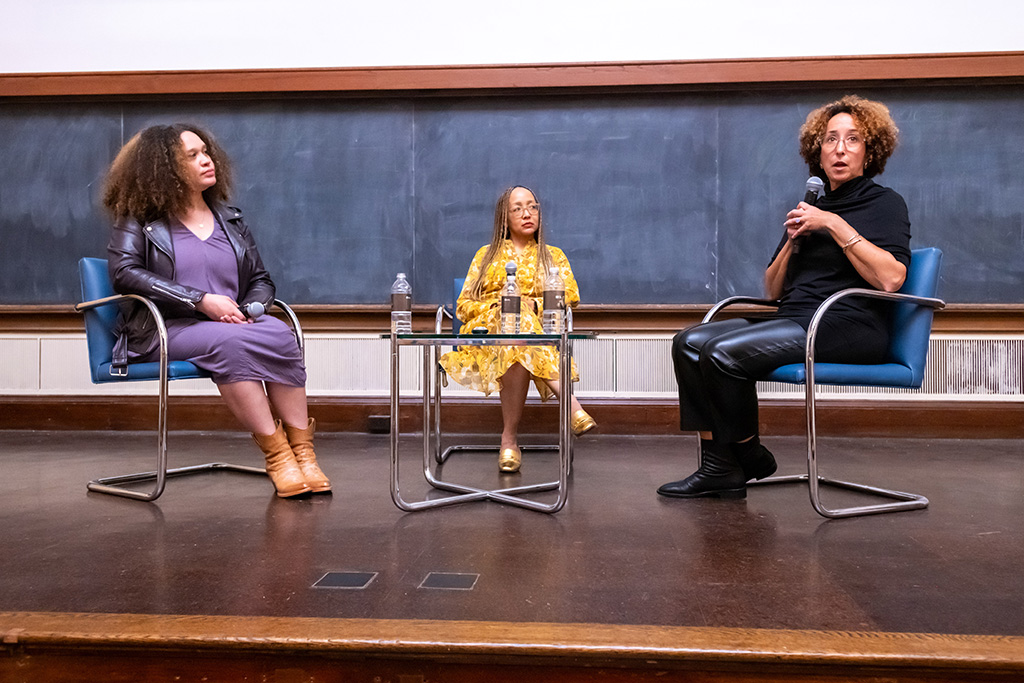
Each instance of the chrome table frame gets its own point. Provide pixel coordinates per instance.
(432, 429)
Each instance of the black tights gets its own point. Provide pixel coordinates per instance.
(718, 363)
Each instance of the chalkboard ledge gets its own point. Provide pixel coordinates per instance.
(959, 318)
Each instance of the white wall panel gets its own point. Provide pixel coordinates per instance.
(644, 366)
(131, 35)
(19, 367)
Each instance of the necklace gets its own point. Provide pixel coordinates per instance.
(196, 220)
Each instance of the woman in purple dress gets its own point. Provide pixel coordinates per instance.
(176, 242)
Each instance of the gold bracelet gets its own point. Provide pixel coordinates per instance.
(852, 241)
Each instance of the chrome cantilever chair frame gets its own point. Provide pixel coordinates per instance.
(790, 374)
(181, 370)
(440, 379)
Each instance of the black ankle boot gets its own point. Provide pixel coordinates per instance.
(756, 460)
(719, 476)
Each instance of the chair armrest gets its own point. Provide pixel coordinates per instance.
(296, 327)
(442, 311)
(105, 301)
(737, 300)
(812, 329)
(158, 319)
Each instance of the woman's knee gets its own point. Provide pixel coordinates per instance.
(757, 349)
(690, 344)
(687, 343)
(516, 370)
(717, 354)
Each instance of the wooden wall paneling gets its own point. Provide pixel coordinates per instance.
(651, 318)
(715, 73)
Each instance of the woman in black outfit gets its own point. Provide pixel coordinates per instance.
(857, 235)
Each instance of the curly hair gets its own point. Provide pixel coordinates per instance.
(873, 119)
(148, 178)
(501, 233)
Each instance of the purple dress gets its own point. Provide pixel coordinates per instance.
(263, 351)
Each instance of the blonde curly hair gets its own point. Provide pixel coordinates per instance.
(873, 119)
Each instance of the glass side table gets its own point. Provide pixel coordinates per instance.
(463, 493)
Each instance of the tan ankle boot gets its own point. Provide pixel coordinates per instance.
(282, 468)
(301, 441)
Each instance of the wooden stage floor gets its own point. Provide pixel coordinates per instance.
(619, 565)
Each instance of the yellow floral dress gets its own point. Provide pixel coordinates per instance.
(481, 367)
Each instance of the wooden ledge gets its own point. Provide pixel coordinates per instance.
(645, 646)
(643, 318)
(708, 74)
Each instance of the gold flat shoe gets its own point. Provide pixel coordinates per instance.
(510, 460)
(582, 422)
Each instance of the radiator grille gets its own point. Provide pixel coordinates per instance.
(976, 366)
(357, 366)
(961, 368)
(615, 366)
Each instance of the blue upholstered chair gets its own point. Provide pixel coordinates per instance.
(445, 311)
(440, 376)
(904, 368)
(99, 305)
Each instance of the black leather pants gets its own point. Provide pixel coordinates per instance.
(718, 363)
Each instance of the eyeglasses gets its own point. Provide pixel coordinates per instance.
(851, 142)
(517, 210)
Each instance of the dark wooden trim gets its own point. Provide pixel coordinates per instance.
(691, 74)
(779, 417)
(649, 318)
(35, 645)
(976, 318)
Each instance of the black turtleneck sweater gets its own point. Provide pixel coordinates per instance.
(821, 269)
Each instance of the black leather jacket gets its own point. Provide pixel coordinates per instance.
(140, 259)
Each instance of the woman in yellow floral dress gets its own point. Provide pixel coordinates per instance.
(518, 236)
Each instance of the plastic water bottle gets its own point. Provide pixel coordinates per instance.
(554, 302)
(401, 305)
(510, 301)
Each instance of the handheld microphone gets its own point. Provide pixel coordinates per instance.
(253, 310)
(812, 190)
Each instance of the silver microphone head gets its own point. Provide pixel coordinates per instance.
(254, 310)
(815, 185)
(510, 268)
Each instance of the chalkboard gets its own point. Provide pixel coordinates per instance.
(655, 198)
(52, 162)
